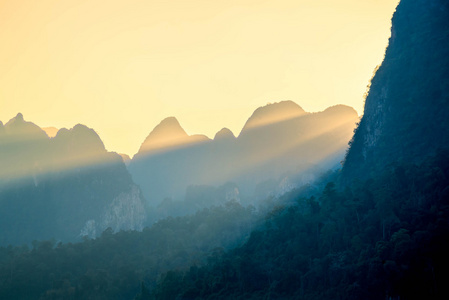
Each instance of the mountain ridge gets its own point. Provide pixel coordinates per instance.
(416, 53)
(273, 113)
(62, 187)
(277, 137)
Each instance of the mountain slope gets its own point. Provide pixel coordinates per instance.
(278, 139)
(273, 113)
(64, 187)
(167, 134)
(385, 234)
(407, 109)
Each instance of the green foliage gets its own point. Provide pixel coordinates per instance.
(407, 108)
(114, 265)
(385, 237)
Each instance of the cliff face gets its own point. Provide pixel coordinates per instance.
(407, 108)
(125, 212)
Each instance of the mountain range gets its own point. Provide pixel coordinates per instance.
(381, 230)
(82, 189)
(278, 139)
(64, 187)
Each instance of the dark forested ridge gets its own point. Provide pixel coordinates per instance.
(114, 265)
(382, 231)
(383, 238)
(407, 108)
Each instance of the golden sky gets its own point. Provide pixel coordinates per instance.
(120, 67)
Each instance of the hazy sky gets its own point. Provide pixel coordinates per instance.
(120, 67)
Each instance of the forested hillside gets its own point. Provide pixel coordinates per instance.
(114, 265)
(384, 237)
(381, 231)
(407, 107)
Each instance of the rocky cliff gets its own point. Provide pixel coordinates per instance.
(407, 108)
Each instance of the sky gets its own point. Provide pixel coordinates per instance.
(120, 67)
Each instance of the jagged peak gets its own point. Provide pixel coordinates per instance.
(18, 126)
(82, 136)
(17, 119)
(170, 126)
(167, 133)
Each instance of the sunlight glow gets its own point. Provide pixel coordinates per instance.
(270, 144)
(122, 66)
(26, 151)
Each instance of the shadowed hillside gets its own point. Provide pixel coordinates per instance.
(384, 233)
(64, 187)
(407, 108)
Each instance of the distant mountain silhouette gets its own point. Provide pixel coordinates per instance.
(168, 134)
(277, 139)
(79, 145)
(20, 144)
(406, 115)
(63, 187)
(165, 135)
(273, 113)
(21, 129)
(224, 133)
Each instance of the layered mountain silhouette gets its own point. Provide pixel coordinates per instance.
(273, 113)
(69, 185)
(168, 135)
(383, 234)
(62, 187)
(406, 115)
(21, 144)
(277, 139)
